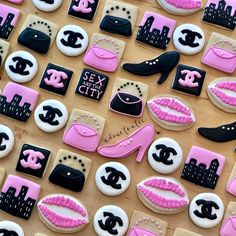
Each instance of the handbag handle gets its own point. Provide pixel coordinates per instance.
(111, 41)
(118, 8)
(42, 23)
(88, 116)
(222, 42)
(131, 84)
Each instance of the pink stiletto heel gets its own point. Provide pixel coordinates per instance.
(140, 140)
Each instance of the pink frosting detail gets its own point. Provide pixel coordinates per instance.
(229, 227)
(5, 10)
(137, 231)
(190, 76)
(227, 99)
(16, 1)
(83, 6)
(162, 201)
(186, 4)
(163, 184)
(55, 78)
(60, 221)
(63, 201)
(231, 187)
(229, 85)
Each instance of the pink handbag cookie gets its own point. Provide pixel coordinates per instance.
(104, 52)
(220, 53)
(83, 130)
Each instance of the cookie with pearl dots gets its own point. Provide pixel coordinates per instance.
(145, 224)
(70, 170)
(4, 47)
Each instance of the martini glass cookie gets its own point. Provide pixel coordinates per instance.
(7, 140)
(10, 228)
(163, 195)
(47, 5)
(63, 213)
(171, 112)
(222, 93)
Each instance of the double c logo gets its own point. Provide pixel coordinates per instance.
(21, 65)
(50, 115)
(72, 39)
(190, 37)
(2, 137)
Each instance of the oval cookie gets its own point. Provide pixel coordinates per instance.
(163, 195)
(63, 213)
(222, 93)
(171, 112)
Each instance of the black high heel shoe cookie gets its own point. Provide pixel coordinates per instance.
(222, 133)
(163, 64)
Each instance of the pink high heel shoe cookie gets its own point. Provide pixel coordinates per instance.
(139, 140)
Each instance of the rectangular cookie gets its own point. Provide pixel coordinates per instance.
(184, 232)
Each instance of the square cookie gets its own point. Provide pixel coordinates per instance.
(9, 17)
(156, 30)
(220, 53)
(228, 227)
(84, 130)
(92, 84)
(128, 97)
(203, 167)
(4, 47)
(231, 184)
(83, 9)
(189, 80)
(56, 79)
(220, 13)
(37, 34)
(17, 101)
(33, 160)
(184, 232)
(119, 18)
(18, 196)
(144, 224)
(104, 52)
(70, 170)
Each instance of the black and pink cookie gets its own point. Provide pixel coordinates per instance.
(92, 84)
(56, 79)
(33, 160)
(189, 80)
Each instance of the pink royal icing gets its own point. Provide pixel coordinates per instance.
(190, 76)
(137, 231)
(185, 4)
(229, 227)
(231, 187)
(16, 1)
(83, 6)
(229, 85)
(55, 78)
(5, 11)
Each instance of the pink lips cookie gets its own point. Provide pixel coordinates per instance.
(16, 1)
(163, 195)
(171, 112)
(63, 213)
(222, 93)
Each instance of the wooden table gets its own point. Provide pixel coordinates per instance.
(206, 113)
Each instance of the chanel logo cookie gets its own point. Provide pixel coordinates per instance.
(6, 140)
(47, 5)
(10, 228)
(72, 40)
(21, 66)
(4, 47)
(33, 160)
(70, 170)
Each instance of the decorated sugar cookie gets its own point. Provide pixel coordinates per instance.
(4, 47)
(231, 184)
(184, 232)
(206, 210)
(10, 228)
(70, 170)
(39, 234)
(21, 66)
(56, 79)
(203, 167)
(18, 196)
(51, 115)
(110, 220)
(163, 195)
(84, 130)
(165, 155)
(16, 1)
(118, 18)
(63, 213)
(7, 140)
(171, 112)
(144, 224)
(222, 93)
(112, 178)
(37, 34)
(33, 160)
(47, 5)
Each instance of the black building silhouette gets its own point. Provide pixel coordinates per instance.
(13, 109)
(17, 205)
(155, 38)
(220, 15)
(200, 175)
(6, 27)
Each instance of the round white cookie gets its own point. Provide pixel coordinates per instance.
(7, 140)
(110, 220)
(206, 210)
(165, 155)
(112, 178)
(189, 39)
(10, 228)
(51, 115)
(47, 5)
(72, 40)
(21, 66)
